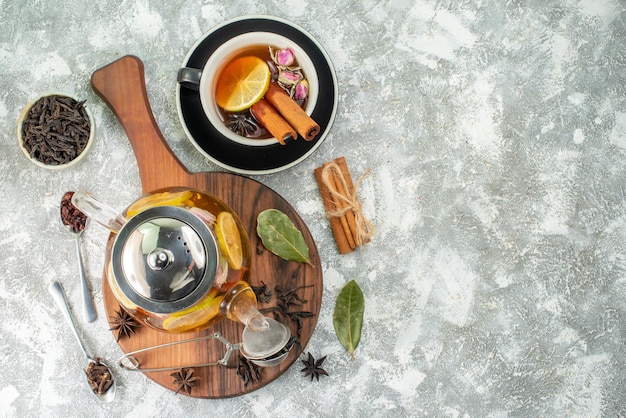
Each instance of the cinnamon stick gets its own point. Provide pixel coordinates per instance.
(275, 124)
(339, 232)
(350, 227)
(292, 112)
(344, 188)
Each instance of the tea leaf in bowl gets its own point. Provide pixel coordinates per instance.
(280, 236)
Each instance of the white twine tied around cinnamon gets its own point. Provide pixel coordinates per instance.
(346, 201)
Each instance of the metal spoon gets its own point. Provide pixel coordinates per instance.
(68, 212)
(58, 295)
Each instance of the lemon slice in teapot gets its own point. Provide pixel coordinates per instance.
(229, 239)
(195, 316)
(159, 199)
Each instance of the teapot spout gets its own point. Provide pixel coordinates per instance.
(240, 305)
(257, 322)
(98, 211)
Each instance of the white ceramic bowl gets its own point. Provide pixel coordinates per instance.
(71, 163)
(225, 53)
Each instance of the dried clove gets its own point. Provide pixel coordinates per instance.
(262, 293)
(99, 376)
(286, 300)
(290, 297)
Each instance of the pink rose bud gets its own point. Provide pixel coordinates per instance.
(285, 57)
(289, 77)
(302, 90)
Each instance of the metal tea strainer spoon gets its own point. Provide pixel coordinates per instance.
(103, 385)
(267, 347)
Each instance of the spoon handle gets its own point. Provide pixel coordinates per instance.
(89, 309)
(58, 295)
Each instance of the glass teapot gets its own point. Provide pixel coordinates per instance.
(179, 263)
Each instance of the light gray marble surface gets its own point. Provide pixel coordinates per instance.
(495, 132)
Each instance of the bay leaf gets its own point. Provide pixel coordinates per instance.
(348, 316)
(280, 236)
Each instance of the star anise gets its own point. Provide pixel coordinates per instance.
(313, 367)
(185, 380)
(123, 323)
(243, 124)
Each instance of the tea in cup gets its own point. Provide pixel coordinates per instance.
(280, 109)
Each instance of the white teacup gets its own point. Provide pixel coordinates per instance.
(205, 80)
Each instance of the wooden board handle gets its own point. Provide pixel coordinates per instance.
(122, 86)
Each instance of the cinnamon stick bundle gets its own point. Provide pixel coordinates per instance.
(272, 121)
(292, 112)
(350, 228)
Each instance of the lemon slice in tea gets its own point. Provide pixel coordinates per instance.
(242, 83)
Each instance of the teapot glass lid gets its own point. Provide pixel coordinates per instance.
(165, 259)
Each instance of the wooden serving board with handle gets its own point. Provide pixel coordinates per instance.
(121, 85)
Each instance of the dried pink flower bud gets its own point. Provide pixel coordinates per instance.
(302, 90)
(289, 78)
(285, 57)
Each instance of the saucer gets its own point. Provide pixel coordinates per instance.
(242, 158)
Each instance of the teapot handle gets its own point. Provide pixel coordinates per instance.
(100, 212)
